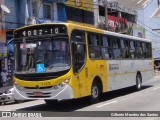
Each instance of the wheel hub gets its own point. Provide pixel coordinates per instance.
(95, 92)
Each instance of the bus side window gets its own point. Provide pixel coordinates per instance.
(139, 50)
(132, 50)
(144, 49)
(122, 48)
(94, 46)
(127, 53)
(125, 48)
(148, 50)
(116, 48)
(110, 51)
(104, 48)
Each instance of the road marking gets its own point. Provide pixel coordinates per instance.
(107, 104)
(156, 88)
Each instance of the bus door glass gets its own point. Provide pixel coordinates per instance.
(78, 50)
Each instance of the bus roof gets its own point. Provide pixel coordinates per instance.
(91, 29)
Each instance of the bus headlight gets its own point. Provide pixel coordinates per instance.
(66, 81)
(62, 84)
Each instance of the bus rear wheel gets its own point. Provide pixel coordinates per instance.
(51, 102)
(95, 92)
(138, 82)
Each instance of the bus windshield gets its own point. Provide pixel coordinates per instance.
(49, 54)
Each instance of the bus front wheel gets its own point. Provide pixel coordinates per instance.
(95, 92)
(138, 82)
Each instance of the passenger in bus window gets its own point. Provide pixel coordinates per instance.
(24, 58)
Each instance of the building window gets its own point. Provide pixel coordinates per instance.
(47, 11)
(79, 15)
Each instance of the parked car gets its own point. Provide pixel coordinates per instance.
(8, 96)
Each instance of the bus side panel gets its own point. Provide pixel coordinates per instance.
(122, 73)
(96, 68)
(116, 74)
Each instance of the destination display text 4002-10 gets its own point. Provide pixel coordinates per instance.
(40, 30)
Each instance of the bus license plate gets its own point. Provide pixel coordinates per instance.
(38, 94)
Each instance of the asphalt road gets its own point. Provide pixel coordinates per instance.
(148, 99)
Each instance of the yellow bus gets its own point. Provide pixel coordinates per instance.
(60, 61)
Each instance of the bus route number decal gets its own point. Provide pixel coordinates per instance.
(40, 32)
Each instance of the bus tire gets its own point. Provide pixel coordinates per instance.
(138, 82)
(51, 102)
(95, 92)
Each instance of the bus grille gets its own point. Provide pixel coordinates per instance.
(44, 95)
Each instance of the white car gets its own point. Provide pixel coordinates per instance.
(8, 97)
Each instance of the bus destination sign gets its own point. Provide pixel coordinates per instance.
(40, 30)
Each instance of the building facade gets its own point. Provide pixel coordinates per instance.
(119, 18)
(149, 19)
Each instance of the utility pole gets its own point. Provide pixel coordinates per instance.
(105, 3)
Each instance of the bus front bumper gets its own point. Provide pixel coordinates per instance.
(47, 94)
